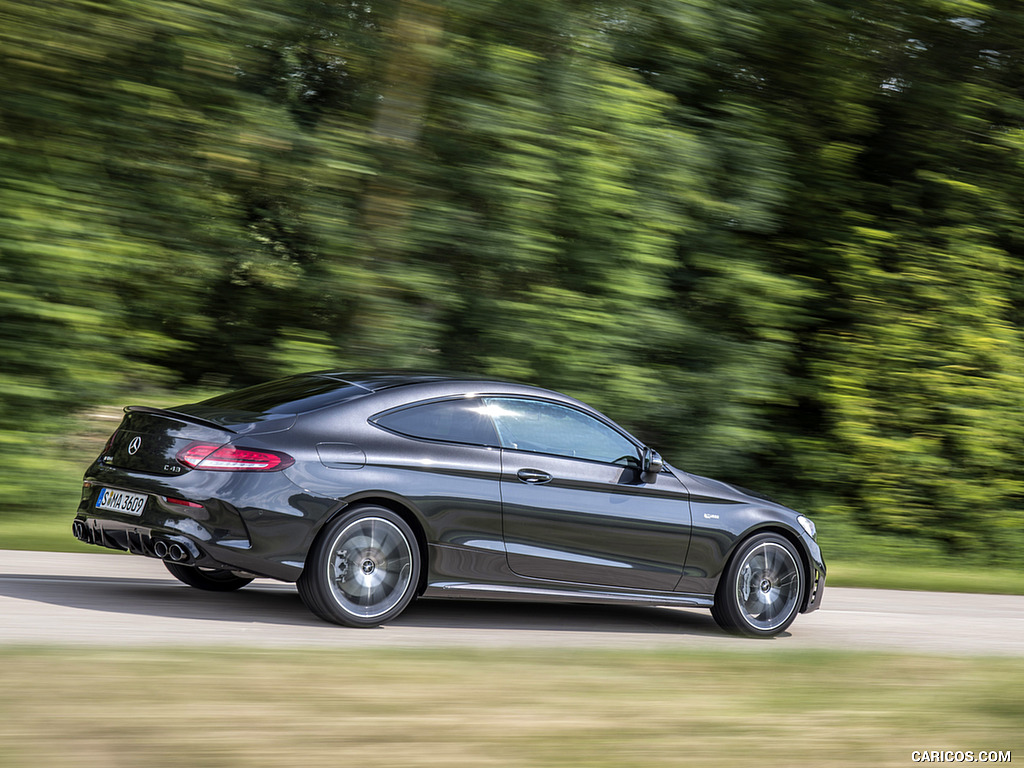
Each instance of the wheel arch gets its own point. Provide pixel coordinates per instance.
(793, 538)
(401, 508)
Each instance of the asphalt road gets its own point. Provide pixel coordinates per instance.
(113, 600)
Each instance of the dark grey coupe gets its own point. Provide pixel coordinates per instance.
(369, 489)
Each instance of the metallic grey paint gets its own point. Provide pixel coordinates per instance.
(490, 521)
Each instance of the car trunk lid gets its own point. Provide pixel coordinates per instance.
(149, 440)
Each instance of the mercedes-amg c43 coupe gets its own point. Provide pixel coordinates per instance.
(370, 489)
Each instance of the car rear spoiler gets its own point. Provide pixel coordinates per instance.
(179, 415)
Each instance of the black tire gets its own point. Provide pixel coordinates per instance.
(363, 569)
(761, 590)
(210, 579)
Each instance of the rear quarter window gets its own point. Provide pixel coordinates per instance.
(453, 421)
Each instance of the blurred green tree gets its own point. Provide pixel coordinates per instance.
(781, 239)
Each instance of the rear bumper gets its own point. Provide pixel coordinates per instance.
(141, 541)
(216, 521)
(168, 543)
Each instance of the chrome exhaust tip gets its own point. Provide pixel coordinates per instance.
(81, 531)
(160, 549)
(177, 553)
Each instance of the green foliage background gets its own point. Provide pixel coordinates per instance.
(781, 240)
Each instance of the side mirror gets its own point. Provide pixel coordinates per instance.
(652, 462)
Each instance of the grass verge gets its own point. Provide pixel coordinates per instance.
(628, 709)
(995, 581)
(45, 533)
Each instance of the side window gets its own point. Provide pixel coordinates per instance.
(454, 421)
(534, 425)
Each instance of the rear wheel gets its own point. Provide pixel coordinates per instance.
(363, 569)
(210, 579)
(760, 592)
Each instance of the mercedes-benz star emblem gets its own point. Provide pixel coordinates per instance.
(134, 445)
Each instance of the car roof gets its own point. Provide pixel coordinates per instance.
(404, 386)
(376, 381)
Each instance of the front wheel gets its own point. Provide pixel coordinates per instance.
(760, 592)
(363, 569)
(210, 579)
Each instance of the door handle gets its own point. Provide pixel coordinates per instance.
(533, 476)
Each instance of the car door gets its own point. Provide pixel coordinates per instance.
(575, 507)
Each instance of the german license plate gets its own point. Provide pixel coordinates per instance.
(121, 501)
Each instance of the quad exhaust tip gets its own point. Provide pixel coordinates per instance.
(171, 550)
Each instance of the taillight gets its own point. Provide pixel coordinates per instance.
(228, 458)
